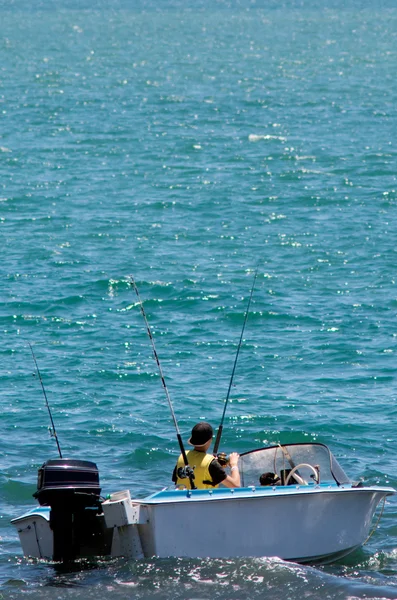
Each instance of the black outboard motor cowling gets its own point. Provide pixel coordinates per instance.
(61, 474)
(71, 488)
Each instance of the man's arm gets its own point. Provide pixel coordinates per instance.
(233, 480)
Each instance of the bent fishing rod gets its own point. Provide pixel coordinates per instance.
(188, 469)
(53, 431)
(220, 429)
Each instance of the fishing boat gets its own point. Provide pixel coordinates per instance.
(313, 514)
(295, 502)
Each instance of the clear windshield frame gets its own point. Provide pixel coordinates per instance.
(281, 459)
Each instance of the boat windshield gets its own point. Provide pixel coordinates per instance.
(292, 463)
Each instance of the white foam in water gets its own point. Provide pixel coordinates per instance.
(257, 138)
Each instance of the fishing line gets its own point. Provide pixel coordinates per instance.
(53, 433)
(189, 470)
(220, 429)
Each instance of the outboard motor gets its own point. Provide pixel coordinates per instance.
(71, 488)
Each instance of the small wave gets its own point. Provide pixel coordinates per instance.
(257, 138)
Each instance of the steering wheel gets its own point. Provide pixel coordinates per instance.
(300, 479)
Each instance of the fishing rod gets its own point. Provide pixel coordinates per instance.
(220, 429)
(53, 432)
(188, 470)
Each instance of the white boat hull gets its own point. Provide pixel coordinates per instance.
(305, 526)
(303, 523)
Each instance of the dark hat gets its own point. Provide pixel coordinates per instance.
(201, 433)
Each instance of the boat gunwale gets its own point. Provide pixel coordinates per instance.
(252, 492)
(39, 511)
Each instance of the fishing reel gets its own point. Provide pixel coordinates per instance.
(185, 472)
(223, 459)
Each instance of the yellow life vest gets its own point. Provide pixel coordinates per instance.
(200, 462)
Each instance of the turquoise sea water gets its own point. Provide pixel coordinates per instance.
(186, 144)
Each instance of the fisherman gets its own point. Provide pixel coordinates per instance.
(208, 473)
